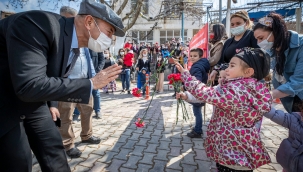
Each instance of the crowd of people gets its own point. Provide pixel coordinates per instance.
(48, 75)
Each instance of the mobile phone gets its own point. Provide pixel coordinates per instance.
(58, 122)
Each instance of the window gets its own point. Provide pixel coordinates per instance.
(169, 34)
(141, 36)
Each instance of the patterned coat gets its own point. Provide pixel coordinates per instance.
(232, 138)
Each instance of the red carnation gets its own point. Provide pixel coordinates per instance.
(136, 92)
(140, 123)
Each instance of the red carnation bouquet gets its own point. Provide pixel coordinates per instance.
(175, 80)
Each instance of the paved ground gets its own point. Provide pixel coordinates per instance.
(160, 146)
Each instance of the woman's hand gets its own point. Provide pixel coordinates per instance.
(179, 67)
(212, 76)
(181, 95)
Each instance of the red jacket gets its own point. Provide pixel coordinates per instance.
(128, 59)
(128, 45)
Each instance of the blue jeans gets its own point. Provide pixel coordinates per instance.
(97, 101)
(197, 110)
(125, 79)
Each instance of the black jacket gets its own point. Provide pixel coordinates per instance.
(98, 60)
(247, 40)
(34, 50)
(146, 65)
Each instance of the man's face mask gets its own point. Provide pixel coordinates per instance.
(102, 43)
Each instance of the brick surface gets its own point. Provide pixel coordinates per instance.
(132, 162)
(98, 166)
(159, 166)
(148, 158)
(143, 168)
(115, 165)
(123, 154)
(151, 148)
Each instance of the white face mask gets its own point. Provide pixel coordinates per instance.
(144, 55)
(102, 43)
(265, 44)
(238, 30)
(122, 53)
(106, 55)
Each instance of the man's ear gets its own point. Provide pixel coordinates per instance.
(89, 22)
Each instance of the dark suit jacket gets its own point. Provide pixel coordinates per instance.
(98, 60)
(34, 50)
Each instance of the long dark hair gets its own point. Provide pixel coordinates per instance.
(281, 42)
(219, 32)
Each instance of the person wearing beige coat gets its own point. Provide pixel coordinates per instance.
(217, 38)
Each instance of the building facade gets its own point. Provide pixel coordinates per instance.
(166, 28)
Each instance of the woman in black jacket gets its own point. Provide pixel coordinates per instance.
(242, 37)
(143, 62)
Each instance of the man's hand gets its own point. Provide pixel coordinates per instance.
(55, 113)
(105, 76)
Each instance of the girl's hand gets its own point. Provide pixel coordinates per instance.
(179, 67)
(182, 95)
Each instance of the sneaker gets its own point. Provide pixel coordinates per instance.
(193, 134)
(92, 140)
(128, 92)
(74, 153)
(98, 115)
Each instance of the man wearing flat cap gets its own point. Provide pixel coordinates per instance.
(37, 52)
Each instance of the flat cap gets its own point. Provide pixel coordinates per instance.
(103, 12)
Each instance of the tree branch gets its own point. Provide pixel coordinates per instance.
(114, 4)
(104, 2)
(135, 16)
(122, 7)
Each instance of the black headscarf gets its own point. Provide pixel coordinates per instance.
(257, 59)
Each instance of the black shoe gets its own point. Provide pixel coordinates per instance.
(193, 134)
(92, 140)
(74, 153)
(106, 92)
(98, 115)
(174, 95)
(128, 92)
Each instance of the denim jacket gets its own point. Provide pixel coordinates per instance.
(293, 72)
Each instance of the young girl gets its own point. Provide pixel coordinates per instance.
(233, 141)
(289, 154)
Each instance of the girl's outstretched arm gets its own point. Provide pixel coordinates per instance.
(279, 117)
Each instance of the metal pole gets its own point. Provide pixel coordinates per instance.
(182, 27)
(228, 18)
(220, 11)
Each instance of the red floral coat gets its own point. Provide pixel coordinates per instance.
(232, 138)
